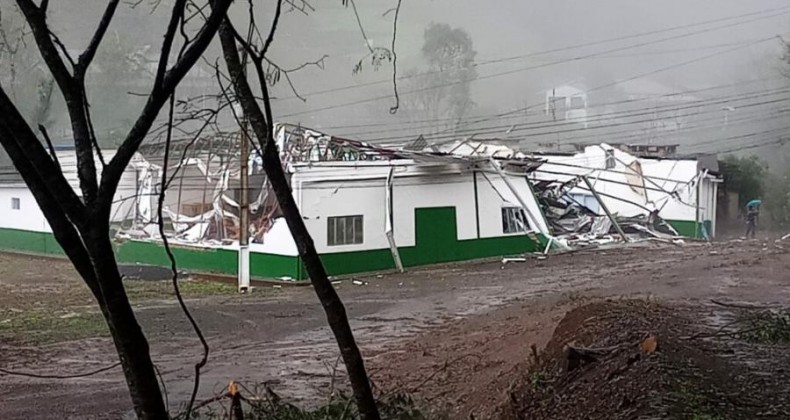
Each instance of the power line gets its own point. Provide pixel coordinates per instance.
(399, 126)
(564, 48)
(526, 127)
(539, 66)
(615, 83)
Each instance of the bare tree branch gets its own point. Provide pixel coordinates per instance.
(273, 29)
(86, 57)
(395, 107)
(202, 362)
(38, 156)
(304, 7)
(51, 147)
(156, 100)
(63, 49)
(333, 306)
(167, 45)
(36, 18)
(72, 90)
(91, 132)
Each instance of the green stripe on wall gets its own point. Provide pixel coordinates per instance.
(223, 261)
(220, 261)
(436, 242)
(687, 228)
(28, 241)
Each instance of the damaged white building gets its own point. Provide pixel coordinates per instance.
(367, 208)
(681, 191)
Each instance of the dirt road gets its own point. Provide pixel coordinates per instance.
(442, 332)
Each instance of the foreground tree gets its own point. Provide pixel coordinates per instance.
(262, 124)
(81, 221)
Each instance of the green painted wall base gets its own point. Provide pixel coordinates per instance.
(436, 242)
(687, 228)
(208, 260)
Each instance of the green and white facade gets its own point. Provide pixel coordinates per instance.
(363, 216)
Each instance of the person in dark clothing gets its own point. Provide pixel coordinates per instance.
(752, 214)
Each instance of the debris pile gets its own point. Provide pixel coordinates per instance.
(574, 224)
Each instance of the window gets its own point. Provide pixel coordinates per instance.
(514, 220)
(557, 107)
(577, 102)
(15, 204)
(344, 230)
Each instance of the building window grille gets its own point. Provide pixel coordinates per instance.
(344, 230)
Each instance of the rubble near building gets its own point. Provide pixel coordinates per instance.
(604, 194)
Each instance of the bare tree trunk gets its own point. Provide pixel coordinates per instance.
(81, 224)
(90, 251)
(333, 306)
(130, 342)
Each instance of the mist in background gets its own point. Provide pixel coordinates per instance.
(514, 76)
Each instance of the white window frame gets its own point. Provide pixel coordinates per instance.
(16, 203)
(514, 221)
(345, 230)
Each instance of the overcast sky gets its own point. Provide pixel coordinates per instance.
(516, 28)
(500, 29)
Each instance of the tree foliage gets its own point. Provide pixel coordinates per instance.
(120, 68)
(443, 89)
(744, 175)
(21, 69)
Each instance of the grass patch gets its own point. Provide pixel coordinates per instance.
(138, 290)
(694, 404)
(768, 327)
(55, 318)
(44, 327)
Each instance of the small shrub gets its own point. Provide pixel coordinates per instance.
(768, 327)
(391, 407)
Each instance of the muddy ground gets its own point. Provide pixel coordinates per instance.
(456, 336)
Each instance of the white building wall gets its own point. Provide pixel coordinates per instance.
(321, 200)
(494, 194)
(348, 190)
(434, 191)
(27, 217)
(31, 218)
(678, 175)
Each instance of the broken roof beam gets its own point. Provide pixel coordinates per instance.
(602, 180)
(589, 168)
(605, 209)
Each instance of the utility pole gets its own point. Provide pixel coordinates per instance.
(244, 202)
(244, 211)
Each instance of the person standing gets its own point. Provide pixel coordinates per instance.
(752, 214)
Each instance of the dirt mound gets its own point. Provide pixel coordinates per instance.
(599, 366)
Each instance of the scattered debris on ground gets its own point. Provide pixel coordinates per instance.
(458, 335)
(637, 359)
